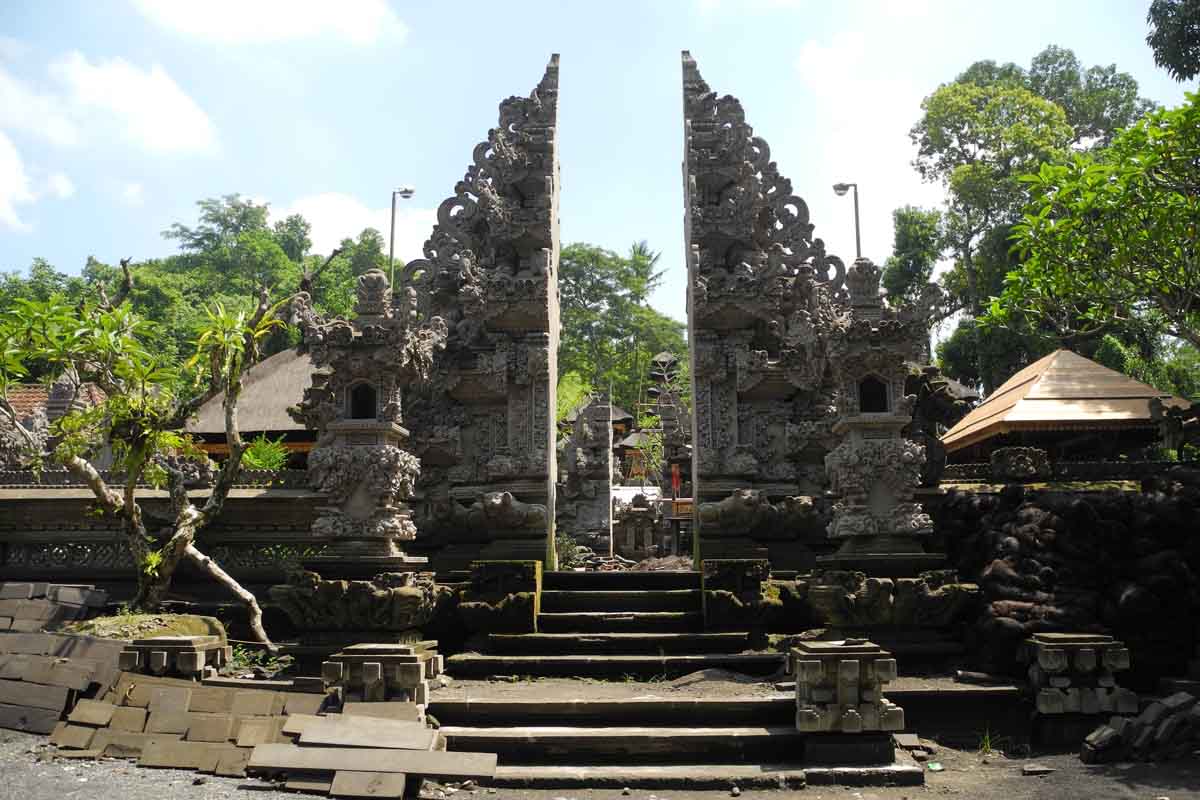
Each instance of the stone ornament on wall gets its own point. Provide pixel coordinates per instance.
(484, 421)
(356, 400)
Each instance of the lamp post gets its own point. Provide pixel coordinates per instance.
(841, 189)
(405, 192)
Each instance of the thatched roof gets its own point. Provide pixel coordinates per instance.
(268, 389)
(1063, 391)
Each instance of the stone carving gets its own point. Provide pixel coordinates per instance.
(355, 402)
(839, 687)
(1072, 673)
(750, 510)
(875, 469)
(1020, 464)
(763, 294)
(392, 602)
(484, 422)
(584, 508)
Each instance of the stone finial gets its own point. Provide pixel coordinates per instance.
(863, 281)
(373, 294)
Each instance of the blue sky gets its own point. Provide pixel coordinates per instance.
(116, 116)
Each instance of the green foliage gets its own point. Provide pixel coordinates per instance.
(1174, 367)
(609, 333)
(151, 563)
(1110, 237)
(568, 550)
(978, 358)
(651, 448)
(918, 243)
(572, 391)
(265, 454)
(1175, 37)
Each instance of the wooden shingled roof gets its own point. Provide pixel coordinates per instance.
(268, 389)
(1063, 391)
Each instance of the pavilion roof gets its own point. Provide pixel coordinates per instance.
(269, 388)
(1063, 391)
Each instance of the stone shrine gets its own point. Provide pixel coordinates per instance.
(360, 462)
(876, 469)
(484, 421)
(584, 506)
(762, 294)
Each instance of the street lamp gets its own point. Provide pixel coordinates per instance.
(841, 189)
(405, 192)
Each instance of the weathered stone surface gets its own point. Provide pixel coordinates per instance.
(390, 602)
(762, 292)
(1020, 464)
(484, 422)
(839, 687)
(585, 467)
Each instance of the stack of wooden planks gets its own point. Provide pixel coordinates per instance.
(42, 675)
(28, 607)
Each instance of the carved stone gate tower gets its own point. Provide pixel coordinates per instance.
(483, 424)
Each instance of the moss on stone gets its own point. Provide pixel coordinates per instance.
(148, 626)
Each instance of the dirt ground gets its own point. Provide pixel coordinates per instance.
(27, 773)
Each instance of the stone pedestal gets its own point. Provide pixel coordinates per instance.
(383, 672)
(1072, 673)
(839, 688)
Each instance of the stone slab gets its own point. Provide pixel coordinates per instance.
(92, 712)
(253, 703)
(367, 784)
(125, 744)
(128, 718)
(17, 591)
(431, 764)
(387, 710)
(212, 758)
(353, 731)
(257, 730)
(856, 749)
(74, 737)
(210, 728)
(19, 693)
(313, 784)
(211, 699)
(25, 718)
(175, 754)
(302, 703)
(169, 698)
(232, 763)
(168, 722)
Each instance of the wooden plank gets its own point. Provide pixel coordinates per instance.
(210, 728)
(388, 710)
(368, 732)
(367, 784)
(19, 693)
(24, 718)
(92, 712)
(129, 719)
(432, 764)
(75, 737)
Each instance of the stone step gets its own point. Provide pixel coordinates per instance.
(626, 745)
(590, 581)
(476, 665)
(557, 600)
(779, 710)
(706, 775)
(621, 622)
(617, 643)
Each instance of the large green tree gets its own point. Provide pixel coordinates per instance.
(915, 251)
(1110, 238)
(609, 332)
(1175, 36)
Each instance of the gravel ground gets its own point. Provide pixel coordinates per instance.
(28, 773)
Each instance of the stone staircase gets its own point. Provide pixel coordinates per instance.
(617, 625)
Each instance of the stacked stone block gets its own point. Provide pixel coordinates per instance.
(839, 687)
(383, 672)
(186, 656)
(1072, 673)
(1165, 729)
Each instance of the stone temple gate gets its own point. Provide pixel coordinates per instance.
(768, 308)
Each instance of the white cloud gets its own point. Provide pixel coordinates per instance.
(12, 49)
(133, 194)
(60, 186)
(335, 216)
(359, 22)
(15, 189)
(149, 107)
(25, 109)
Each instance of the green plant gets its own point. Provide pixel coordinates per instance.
(269, 455)
(985, 742)
(255, 657)
(568, 550)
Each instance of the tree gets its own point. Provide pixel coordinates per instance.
(917, 246)
(1110, 237)
(609, 333)
(141, 420)
(1175, 37)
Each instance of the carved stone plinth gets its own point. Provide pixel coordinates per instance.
(839, 687)
(373, 672)
(1072, 673)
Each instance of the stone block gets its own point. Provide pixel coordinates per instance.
(1051, 701)
(1126, 701)
(1052, 659)
(1085, 659)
